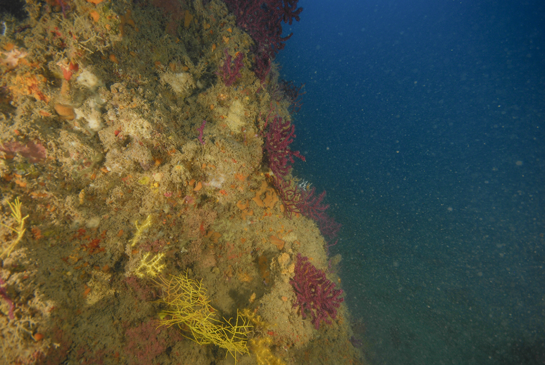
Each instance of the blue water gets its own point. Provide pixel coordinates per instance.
(424, 121)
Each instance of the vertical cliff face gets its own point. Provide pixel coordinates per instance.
(102, 138)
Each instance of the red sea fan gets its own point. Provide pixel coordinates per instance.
(263, 19)
(278, 138)
(230, 70)
(311, 206)
(288, 194)
(316, 295)
(328, 226)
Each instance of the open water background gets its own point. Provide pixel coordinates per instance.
(424, 121)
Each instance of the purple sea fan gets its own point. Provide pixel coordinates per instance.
(316, 295)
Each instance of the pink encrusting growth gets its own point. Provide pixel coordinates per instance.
(34, 151)
(144, 343)
(316, 295)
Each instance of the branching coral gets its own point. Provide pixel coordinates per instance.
(190, 309)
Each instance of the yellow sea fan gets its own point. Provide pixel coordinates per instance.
(255, 319)
(20, 230)
(190, 309)
(140, 229)
(150, 267)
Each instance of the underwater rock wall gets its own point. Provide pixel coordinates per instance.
(134, 162)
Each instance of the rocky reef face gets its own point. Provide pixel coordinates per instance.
(102, 140)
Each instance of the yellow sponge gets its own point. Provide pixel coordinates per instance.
(260, 348)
